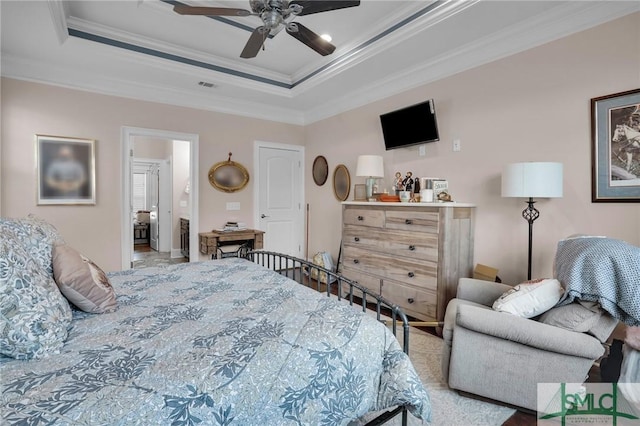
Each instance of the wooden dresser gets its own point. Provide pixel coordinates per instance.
(411, 253)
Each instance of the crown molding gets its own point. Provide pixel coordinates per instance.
(113, 36)
(536, 31)
(59, 14)
(390, 34)
(72, 78)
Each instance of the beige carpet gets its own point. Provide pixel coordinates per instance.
(448, 407)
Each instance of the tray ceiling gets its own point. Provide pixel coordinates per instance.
(144, 50)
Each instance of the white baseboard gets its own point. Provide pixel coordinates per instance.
(175, 253)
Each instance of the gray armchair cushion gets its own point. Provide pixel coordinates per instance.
(528, 332)
(480, 291)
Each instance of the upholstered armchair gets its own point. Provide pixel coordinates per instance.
(503, 357)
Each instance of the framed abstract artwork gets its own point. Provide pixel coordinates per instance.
(66, 170)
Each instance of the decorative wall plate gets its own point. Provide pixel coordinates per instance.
(341, 182)
(320, 170)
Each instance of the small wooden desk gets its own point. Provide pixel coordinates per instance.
(210, 241)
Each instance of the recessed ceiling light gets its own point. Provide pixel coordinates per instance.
(327, 37)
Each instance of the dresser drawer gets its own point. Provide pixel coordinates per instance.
(364, 280)
(419, 273)
(414, 245)
(364, 217)
(418, 303)
(415, 221)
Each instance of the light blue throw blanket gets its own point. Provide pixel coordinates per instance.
(601, 270)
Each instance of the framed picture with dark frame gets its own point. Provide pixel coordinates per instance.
(66, 170)
(615, 160)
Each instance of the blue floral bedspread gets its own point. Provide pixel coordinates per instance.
(222, 342)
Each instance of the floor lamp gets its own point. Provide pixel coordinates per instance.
(532, 180)
(371, 167)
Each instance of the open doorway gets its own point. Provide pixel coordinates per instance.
(153, 205)
(159, 193)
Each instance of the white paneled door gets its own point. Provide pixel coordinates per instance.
(280, 210)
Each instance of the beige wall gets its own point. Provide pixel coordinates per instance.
(29, 109)
(533, 106)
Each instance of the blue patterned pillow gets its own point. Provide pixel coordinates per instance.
(34, 316)
(35, 235)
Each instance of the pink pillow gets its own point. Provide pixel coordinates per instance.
(81, 281)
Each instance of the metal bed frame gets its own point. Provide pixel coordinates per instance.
(302, 272)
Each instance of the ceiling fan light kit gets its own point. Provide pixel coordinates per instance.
(274, 15)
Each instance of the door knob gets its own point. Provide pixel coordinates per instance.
(262, 216)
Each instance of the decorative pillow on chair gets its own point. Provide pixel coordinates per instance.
(530, 298)
(573, 317)
(34, 316)
(81, 281)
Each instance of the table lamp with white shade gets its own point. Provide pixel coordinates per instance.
(371, 167)
(532, 180)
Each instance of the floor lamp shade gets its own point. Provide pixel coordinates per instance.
(371, 167)
(532, 180)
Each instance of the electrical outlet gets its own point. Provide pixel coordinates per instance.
(422, 150)
(233, 206)
(456, 145)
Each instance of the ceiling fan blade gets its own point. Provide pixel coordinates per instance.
(317, 6)
(183, 9)
(256, 41)
(311, 39)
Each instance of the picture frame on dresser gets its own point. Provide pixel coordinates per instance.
(359, 192)
(66, 170)
(615, 160)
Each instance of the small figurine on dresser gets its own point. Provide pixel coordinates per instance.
(408, 182)
(398, 183)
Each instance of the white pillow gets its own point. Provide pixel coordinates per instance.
(530, 298)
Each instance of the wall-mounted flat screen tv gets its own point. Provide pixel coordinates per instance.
(412, 125)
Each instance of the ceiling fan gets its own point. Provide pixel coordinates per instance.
(275, 15)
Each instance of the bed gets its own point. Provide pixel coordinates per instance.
(222, 342)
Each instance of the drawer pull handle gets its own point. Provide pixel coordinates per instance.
(410, 300)
(356, 239)
(412, 248)
(356, 261)
(411, 274)
(360, 218)
(408, 221)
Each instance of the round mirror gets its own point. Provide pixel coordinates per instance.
(228, 176)
(320, 170)
(341, 182)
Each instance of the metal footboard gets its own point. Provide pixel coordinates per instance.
(333, 284)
